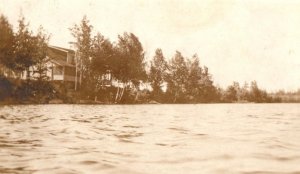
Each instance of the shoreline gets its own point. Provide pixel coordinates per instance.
(147, 103)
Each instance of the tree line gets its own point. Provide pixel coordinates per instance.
(287, 96)
(23, 51)
(168, 80)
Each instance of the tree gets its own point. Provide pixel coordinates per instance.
(200, 85)
(6, 43)
(6, 88)
(101, 62)
(209, 92)
(24, 49)
(82, 34)
(194, 88)
(131, 55)
(128, 64)
(177, 79)
(41, 40)
(157, 73)
(231, 94)
(244, 92)
(257, 95)
(102, 52)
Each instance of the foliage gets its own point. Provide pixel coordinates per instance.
(41, 55)
(24, 48)
(200, 86)
(6, 43)
(157, 75)
(230, 94)
(129, 65)
(6, 88)
(24, 51)
(257, 95)
(103, 64)
(26, 91)
(177, 79)
(83, 36)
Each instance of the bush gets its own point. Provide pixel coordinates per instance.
(6, 88)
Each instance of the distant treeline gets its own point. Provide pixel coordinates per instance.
(166, 80)
(287, 97)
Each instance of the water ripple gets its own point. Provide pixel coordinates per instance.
(147, 139)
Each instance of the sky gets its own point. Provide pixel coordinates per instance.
(238, 40)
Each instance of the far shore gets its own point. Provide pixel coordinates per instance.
(91, 102)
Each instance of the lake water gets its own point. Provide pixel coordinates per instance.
(150, 139)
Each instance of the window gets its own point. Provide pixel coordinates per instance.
(57, 70)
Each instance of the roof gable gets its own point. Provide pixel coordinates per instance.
(60, 55)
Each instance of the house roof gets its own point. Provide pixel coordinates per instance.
(58, 55)
(62, 49)
(61, 63)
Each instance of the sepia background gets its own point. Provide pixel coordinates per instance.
(83, 110)
(238, 40)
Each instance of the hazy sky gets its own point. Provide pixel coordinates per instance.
(239, 40)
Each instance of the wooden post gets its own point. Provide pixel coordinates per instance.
(76, 74)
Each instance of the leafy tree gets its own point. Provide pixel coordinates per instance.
(194, 86)
(200, 84)
(101, 62)
(24, 49)
(82, 34)
(131, 59)
(41, 55)
(6, 43)
(209, 92)
(231, 94)
(6, 88)
(102, 52)
(244, 92)
(157, 74)
(128, 64)
(256, 94)
(177, 79)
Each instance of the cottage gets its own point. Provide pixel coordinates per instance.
(61, 68)
(61, 64)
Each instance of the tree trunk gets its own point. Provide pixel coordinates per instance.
(175, 97)
(117, 95)
(122, 93)
(76, 75)
(27, 73)
(136, 96)
(81, 71)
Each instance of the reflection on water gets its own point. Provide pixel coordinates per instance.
(236, 138)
